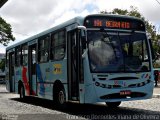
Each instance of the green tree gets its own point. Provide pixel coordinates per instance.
(5, 32)
(149, 26)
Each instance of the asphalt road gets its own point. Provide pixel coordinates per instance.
(12, 108)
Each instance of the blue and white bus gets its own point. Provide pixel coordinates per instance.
(97, 58)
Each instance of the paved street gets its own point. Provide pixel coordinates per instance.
(12, 108)
(157, 91)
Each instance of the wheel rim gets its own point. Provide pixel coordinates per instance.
(61, 97)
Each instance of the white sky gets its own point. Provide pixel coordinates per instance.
(29, 17)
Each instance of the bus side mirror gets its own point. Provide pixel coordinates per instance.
(83, 39)
(83, 36)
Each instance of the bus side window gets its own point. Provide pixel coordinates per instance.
(58, 45)
(24, 54)
(43, 49)
(13, 64)
(18, 56)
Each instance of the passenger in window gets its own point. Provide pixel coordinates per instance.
(46, 56)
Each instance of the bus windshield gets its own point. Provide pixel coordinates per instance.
(111, 51)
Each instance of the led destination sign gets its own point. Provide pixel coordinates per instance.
(114, 23)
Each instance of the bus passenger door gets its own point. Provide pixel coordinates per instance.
(11, 72)
(32, 69)
(74, 72)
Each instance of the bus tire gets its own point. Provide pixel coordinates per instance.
(113, 104)
(60, 98)
(22, 92)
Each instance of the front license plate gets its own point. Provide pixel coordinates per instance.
(126, 92)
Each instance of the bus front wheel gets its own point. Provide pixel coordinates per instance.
(113, 104)
(22, 92)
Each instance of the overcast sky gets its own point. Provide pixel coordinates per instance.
(29, 17)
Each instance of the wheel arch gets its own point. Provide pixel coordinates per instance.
(57, 85)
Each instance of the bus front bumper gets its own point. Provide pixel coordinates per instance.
(123, 94)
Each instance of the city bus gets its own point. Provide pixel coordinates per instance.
(91, 59)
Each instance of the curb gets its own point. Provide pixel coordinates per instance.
(156, 96)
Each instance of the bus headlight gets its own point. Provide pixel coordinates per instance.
(97, 83)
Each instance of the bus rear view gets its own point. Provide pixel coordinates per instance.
(119, 58)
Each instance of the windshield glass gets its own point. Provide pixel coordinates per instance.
(118, 51)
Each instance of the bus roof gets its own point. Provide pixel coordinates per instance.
(79, 20)
(116, 16)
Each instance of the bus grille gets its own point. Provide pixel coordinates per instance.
(120, 86)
